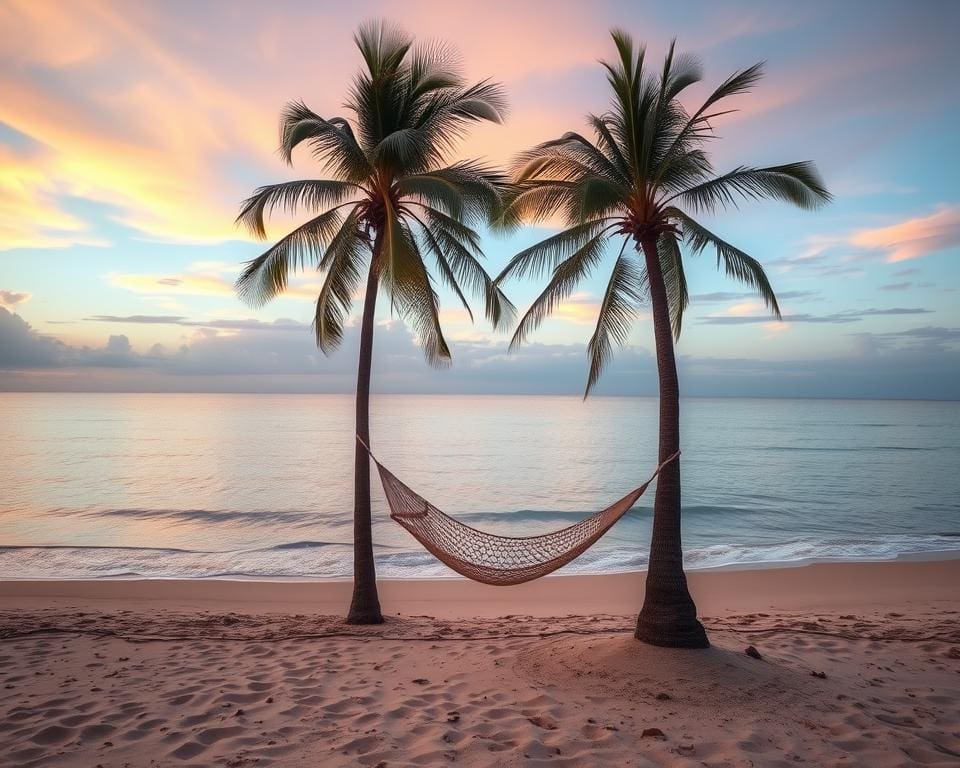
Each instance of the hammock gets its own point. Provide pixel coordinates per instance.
(487, 557)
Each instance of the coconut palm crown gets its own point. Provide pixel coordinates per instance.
(634, 189)
(394, 211)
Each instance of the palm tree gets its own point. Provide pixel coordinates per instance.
(641, 180)
(392, 201)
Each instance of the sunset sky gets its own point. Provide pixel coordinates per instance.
(130, 132)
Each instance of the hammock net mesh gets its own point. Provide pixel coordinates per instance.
(493, 559)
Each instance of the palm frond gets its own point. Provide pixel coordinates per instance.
(291, 196)
(449, 278)
(698, 126)
(344, 265)
(454, 228)
(544, 256)
(737, 264)
(566, 276)
(413, 107)
(266, 276)
(460, 247)
(333, 141)
(617, 312)
(536, 201)
(383, 46)
(608, 145)
(739, 82)
(411, 290)
(680, 71)
(466, 191)
(580, 153)
(797, 183)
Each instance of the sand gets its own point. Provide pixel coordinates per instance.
(859, 666)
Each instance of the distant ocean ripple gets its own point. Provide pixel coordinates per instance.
(254, 486)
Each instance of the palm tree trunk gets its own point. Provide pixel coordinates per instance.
(365, 605)
(669, 616)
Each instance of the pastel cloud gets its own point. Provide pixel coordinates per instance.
(580, 308)
(125, 106)
(29, 212)
(190, 285)
(11, 299)
(268, 358)
(832, 255)
(747, 308)
(117, 119)
(913, 238)
(122, 107)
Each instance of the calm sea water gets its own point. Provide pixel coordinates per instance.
(106, 485)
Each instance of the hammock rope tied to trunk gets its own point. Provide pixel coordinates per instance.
(487, 557)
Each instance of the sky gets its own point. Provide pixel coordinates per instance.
(130, 132)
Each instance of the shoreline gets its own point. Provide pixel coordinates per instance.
(572, 395)
(717, 591)
(940, 555)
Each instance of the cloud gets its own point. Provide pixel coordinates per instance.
(832, 255)
(870, 370)
(580, 308)
(818, 259)
(200, 284)
(719, 297)
(189, 285)
(842, 271)
(21, 346)
(918, 362)
(840, 318)
(928, 332)
(744, 309)
(893, 311)
(913, 238)
(929, 340)
(117, 353)
(129, 108)
(115, 114)
(896, 286)
(10, 299)
(247, 325)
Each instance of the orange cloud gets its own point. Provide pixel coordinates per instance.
(747, 308)
(170, 137)
(915, 237)
(144, 141)
(129, 106)
(29, 215)
(580, 309)
(909, 239)
(189, 285)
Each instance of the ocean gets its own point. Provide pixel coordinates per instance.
(191, 486)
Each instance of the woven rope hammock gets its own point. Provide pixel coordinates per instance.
(487, 557)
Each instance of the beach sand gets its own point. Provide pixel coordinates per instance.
(860, 666)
